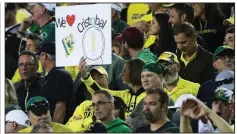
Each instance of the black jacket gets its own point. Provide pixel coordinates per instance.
(34, 90)
(198, 70)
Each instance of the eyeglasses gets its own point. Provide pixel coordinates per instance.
(39, 108)
(100, 103)
(26, 64)
(221, 57)
(225, 81)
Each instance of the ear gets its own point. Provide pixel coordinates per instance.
(214, 64)
(14, 125)
(183, 17)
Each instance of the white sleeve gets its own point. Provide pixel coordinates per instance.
(205, 128)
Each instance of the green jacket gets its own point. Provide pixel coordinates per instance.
(118, 126)
(147, 56)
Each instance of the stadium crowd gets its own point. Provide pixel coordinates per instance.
(172, 71)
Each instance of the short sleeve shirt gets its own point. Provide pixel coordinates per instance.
(58, 87)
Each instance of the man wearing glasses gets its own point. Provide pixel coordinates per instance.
(103, 105)
(39, 111)
(31, 82)
(16, 120)
(223, 60)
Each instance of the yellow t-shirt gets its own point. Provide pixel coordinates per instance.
(72, 70)
(183, 87)
(82, 117)
(188, 60)
(55, 126)
(135, 12)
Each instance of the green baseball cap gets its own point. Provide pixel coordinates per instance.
(34, 100)
(155, 68)
(223, 94)
(221, 49)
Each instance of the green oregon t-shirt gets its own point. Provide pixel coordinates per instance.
(48, 32)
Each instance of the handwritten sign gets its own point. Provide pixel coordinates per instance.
(83, 30)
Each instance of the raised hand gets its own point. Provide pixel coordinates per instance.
(83, 68)
(194, 108)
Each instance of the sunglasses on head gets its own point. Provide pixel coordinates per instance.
(225, 81)
(39, 108)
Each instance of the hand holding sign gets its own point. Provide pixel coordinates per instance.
(83, 68)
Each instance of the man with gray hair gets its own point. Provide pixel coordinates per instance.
(42, 18)
(117, 24)
(16, 120)
(58, 85)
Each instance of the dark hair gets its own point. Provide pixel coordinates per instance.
(185, 28)
(106, 93)
(230, 29)
(184, 8)
(21, 5)
(30, 54)
(135, 69)
(165, 35)
(164, 98)
(35, 37)
(213, 13)
(119, 104)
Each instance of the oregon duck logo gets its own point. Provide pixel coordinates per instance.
(68, 44)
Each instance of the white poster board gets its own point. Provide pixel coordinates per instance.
(83, 30)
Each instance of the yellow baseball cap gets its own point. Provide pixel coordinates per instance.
(231, 20)
(168, 56)
(100, 69)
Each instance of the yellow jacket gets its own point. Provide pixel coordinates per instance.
(82, 117)
(130, 98)
(183, 87)
(58, 128)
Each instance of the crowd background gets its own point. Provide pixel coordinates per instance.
(172, 71)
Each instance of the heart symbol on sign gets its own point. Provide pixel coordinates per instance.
(70, 19)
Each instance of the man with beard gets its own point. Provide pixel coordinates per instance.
(152, 76)
(39, 111)
(175, 86)
(155, 110)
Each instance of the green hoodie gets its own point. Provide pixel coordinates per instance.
(118, 126)
(147, 56)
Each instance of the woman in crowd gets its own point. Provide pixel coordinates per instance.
(209, 24)
(131, 76)
(162, 29)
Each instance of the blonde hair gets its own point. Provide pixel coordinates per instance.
(10, 93)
